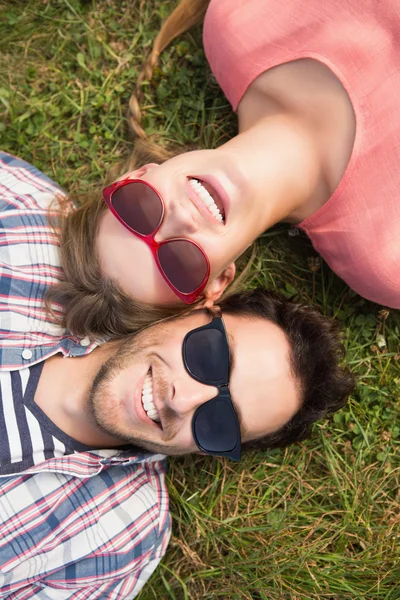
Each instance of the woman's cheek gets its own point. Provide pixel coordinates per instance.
(141, 278)
(128, 260)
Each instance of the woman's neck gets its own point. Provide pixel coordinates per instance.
(282, 165)
(296, 133)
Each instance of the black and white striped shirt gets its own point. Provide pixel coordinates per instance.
(27, 436)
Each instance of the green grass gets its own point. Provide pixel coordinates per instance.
(319, 520)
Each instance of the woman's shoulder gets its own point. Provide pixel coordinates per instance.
(244, 39)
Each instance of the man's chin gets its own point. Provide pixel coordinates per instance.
(138, 442)
(101, 409)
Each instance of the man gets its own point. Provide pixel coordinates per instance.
(83, 500)
(82, 508)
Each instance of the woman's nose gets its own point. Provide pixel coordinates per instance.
(189, 394)
(179, 221)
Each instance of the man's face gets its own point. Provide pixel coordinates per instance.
(143, 394)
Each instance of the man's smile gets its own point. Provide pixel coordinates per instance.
(147, 398)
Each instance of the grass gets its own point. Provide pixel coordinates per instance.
(319, 520)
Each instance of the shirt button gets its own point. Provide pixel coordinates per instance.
(26, 354)
(84, 342)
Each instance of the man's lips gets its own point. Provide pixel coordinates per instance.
(138, 405)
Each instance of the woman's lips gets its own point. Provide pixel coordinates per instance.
(219, 198)
(198, 202)
(216, 190)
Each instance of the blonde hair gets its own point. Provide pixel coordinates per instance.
(92, 304)
(187, 14)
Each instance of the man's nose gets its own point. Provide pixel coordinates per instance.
(179, 221)
(189, 394)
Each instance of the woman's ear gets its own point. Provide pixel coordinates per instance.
(137, 173)
(217, 286)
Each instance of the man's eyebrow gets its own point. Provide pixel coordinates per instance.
(232, 351)
(232, 362)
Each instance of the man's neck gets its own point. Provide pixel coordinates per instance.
(63, 392)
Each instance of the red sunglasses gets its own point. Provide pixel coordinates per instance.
(140, 208)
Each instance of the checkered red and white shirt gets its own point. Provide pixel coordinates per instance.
(85, 524)
(29, 263)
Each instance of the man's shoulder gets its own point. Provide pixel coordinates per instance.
(87, 481)
(23, 187)
(114, 523)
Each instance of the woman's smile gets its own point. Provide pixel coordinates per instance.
(203, 201)
(204, 195)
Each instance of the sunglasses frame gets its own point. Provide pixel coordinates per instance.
(223, 388)
(187, 298)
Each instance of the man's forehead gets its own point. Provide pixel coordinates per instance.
(263, 390)
(259, 351)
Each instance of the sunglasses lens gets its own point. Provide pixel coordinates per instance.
(207, 356)
(183, 264)
(215, 426)
(138, 206)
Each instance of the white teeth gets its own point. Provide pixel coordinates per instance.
(147, 398)
(207, 199)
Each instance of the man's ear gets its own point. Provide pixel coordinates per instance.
(216, 288)
(137, 173)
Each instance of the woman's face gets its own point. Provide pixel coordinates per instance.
(216, 213)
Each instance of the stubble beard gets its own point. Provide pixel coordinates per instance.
(105, 411)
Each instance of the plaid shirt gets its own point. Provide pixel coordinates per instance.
(90, 525)
(29, 263)
(84, 526)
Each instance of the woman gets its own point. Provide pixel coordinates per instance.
(314, 88)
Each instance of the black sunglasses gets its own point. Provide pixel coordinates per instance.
(215, 424)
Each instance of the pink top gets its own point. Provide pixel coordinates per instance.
(357, 231)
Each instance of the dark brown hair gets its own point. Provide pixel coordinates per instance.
(317, 355)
